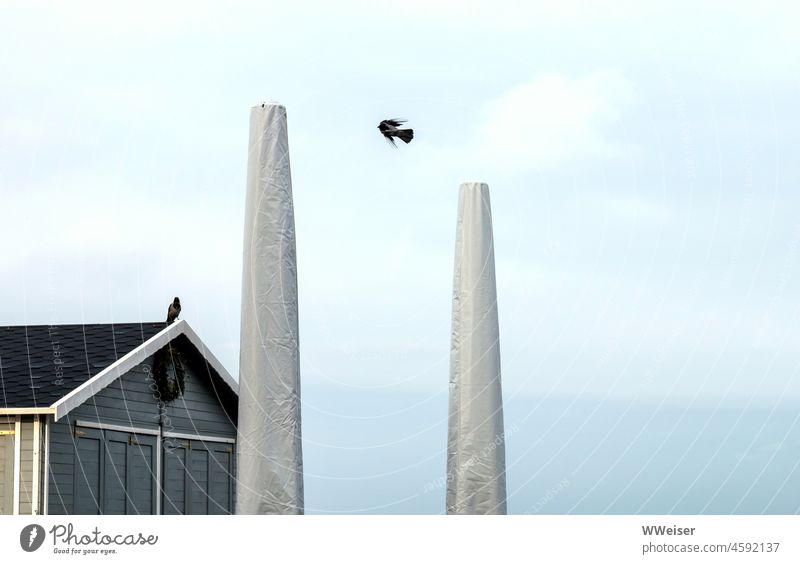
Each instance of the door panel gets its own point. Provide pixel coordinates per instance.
(198, 478)
(174, 490)
(220, 482)
(88, 461)
(142, 486)
(115, 473)
(115, 498)
(198, 486)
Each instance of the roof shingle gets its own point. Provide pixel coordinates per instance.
(39, 364)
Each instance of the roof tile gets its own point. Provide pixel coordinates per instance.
(39, 364)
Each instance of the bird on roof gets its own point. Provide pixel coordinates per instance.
(173, 311)
(390, 129)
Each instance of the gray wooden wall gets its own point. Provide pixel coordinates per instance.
(130, 402)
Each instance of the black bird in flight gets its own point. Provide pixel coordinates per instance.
(173, 311)
(389, 129)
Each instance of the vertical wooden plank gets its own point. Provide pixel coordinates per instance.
(116, 466)
(209, 486)
(126, 486)
(26, 447)
(187, 480)
(219, 488)
(17, 460)
(175, 476)
(46, 480)
(141, 475)
(7, 442)
(88, 478)
(37, 466)
(159, 482)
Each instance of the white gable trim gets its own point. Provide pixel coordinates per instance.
(89, 388)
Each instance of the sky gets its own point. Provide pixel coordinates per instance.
(643, 168)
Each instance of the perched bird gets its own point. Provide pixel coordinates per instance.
(173, 311)
(389, 129)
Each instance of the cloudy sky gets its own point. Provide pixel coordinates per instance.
(643, 165)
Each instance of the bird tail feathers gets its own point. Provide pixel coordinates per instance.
(405, 135)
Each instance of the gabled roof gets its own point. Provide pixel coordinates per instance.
(55, 368)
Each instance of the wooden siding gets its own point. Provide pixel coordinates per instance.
(26, 466)
(130, 402)
(6, 468)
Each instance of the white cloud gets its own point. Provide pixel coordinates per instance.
(555, 119)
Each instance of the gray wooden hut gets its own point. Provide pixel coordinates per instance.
(129, 418)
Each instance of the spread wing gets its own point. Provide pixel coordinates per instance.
(389, 127)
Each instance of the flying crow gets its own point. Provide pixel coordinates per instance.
(389, 129)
